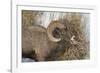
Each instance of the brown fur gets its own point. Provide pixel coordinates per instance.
(35, 39)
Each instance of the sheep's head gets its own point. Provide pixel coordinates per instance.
(72, 41)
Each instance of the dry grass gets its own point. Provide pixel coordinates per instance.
(75, 49)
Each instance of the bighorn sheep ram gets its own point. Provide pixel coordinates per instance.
(62, 40)
(39, 41)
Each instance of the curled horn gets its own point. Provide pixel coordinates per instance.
(51, 28)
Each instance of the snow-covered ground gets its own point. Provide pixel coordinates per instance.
(27, 60)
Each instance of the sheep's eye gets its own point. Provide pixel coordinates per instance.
(56, 33)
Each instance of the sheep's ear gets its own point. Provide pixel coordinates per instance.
(56, 33)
